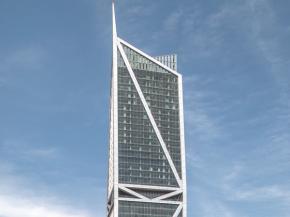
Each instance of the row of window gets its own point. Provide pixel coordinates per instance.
(152, 91)
(133, 109)
(141, 134)
(146, 174)
(152, 168)
(144, 150)
(136, 209)
(123, 95)
(139, 62)
(149, 83)
(153, 104)
(148, 181)
(144, 135)
(148, 76)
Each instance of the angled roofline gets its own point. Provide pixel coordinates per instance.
(122, 41)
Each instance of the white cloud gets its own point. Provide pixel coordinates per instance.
(201, 124)
(15, 206)
(207, 205)
(173, 20)
(214, 208)
(273, 192)
(138, 8)
(19, 199)
(24, 149)
(235, 188)
(233, 174)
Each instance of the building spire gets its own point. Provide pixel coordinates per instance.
(114, 19)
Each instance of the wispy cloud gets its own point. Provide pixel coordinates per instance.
(18, 199)
(138, 8)
(209, 205)
(241, 168)
(127, 16)
(15, 206)
(23, 149)
(255, 21)
(262, 194)
(197, 109)
(173, 20)
(233, 185)
(212, 208)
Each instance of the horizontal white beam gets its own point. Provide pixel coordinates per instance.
(171, 194)
(149, 187)
(150, 201)
(133, 193)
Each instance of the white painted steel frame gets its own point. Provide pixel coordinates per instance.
(133, 193)
(150, 201)
(171, 194)
(149, 114)
(111, 145)
(181, 118)
(115, 109)
(149, 187)
(129, 188)
(148, 57)
(177, 212)
(182, 144)
(148, 111)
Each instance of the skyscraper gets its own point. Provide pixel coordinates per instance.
(147, 173)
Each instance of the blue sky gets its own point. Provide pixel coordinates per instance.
(55, 61)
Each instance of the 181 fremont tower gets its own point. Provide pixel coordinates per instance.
(147, 173)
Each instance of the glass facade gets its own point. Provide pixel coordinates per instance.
(160, 89)
(136, 209)
(141, 158)
(168, 60)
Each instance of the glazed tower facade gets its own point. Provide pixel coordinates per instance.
(147, 175)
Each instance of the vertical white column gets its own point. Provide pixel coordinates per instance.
(115, 109)
(182, 144)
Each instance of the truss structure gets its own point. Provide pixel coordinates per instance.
(172, 195)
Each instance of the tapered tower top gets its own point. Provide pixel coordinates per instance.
(114, 19)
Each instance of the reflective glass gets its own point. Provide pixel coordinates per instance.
(141, 157)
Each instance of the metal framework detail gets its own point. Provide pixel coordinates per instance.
(147, 109)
